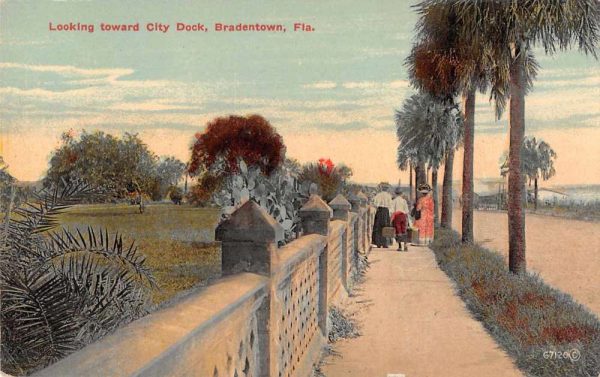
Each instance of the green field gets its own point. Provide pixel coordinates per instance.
(177, 240)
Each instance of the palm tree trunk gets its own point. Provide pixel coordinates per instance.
(516, 187)
(447, 191)
(436, 204)
(535, 188)
(469, 145)
(421, 177)
(411, 192)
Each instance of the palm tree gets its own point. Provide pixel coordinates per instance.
(545, 157)
(443, 67)
(62, 289)
(537, 162)
(408, 159)
(511, 32)
(428, 130)
(504, 34)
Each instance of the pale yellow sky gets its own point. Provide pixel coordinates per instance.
(370, 153)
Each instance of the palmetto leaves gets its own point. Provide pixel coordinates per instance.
(62, 289)
(427, 130)
(537, 159)
(481, 39)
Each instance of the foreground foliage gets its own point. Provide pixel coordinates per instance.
(62, 289)
(544, 330)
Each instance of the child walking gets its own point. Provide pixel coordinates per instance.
(400, 224)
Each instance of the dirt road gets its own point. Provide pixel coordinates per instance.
(566, 253)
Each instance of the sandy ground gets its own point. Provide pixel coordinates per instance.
(414, 325)
(566, 253)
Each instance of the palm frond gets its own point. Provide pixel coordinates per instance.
(63, 289)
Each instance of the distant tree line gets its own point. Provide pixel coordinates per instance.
(120, 166)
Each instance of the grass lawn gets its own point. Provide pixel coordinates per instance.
(178, 241)
(544, 330)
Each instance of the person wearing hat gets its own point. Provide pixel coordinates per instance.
(383, 202)
(400, 219)
(425, 220)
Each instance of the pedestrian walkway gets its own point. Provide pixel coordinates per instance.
(415, 325)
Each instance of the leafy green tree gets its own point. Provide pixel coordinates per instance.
(117, 165)
(504, 33)
(170, 170)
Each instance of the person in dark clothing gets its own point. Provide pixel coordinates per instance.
(383, 202)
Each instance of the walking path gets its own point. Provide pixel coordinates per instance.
(415, 325)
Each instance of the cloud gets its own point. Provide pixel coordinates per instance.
(360, 85)
(49, 91)
(320, 85)
(376, 85)
(154, 105)
(110, 74)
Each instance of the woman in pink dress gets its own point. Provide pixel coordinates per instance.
(425, 222)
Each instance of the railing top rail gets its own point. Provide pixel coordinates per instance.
(134, 346)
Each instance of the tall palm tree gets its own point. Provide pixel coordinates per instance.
(443, 67)
(504, 34)
(511, 32)
(429, 129)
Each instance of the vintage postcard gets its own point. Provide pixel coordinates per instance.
(300, 188)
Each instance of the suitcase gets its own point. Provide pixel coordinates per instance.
(388, 231)
(413, 235)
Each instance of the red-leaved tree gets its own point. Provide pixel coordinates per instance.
(227, 140)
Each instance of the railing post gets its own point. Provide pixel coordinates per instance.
(341, 208)
(315, 216)
(249, 242)
(355, 202)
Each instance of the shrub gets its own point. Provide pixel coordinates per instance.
(62, 289)
(530, 319)
(175, 194)
(280, 194)
(343, 325)
(330, 179)
(208, 184)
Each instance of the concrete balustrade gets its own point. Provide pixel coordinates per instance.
(268, 315)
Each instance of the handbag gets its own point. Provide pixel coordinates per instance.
(416, 213)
